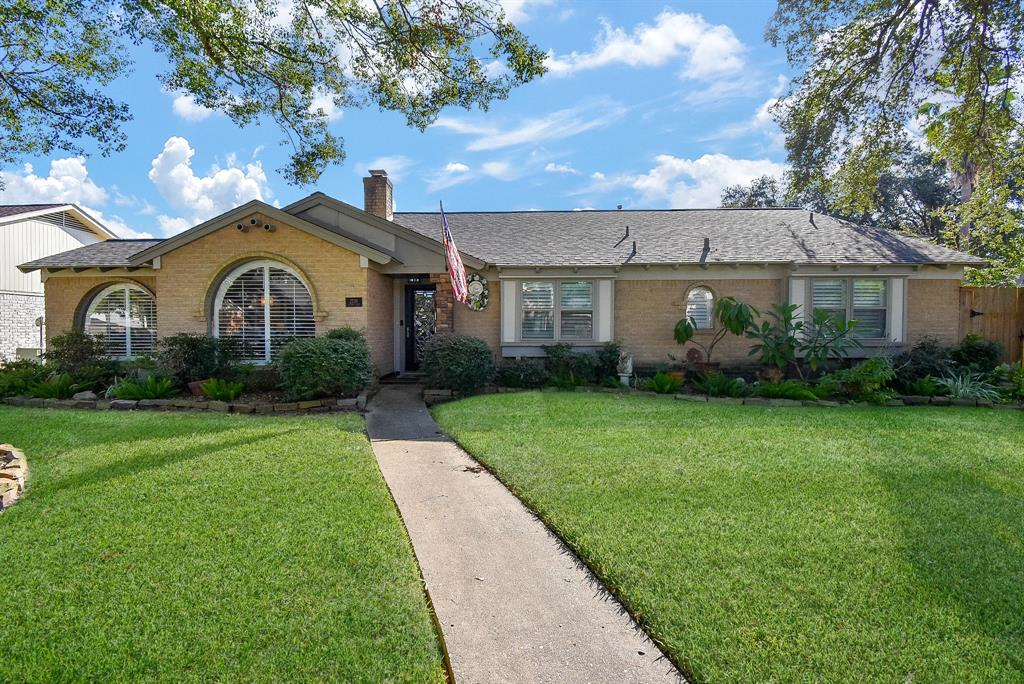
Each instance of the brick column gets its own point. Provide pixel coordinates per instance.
(444, 303)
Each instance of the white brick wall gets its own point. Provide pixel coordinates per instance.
(18, 313)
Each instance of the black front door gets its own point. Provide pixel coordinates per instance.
(420, 316)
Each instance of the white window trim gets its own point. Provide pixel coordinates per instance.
(125, 288)
(556, 337)
(710, 327)
(229, 279)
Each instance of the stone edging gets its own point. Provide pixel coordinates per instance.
(437, 396)
(312, 406)
(13, 473)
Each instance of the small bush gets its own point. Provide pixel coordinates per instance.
(923, 387)
(569, 368)
(188, 357)
(153, 388)
(17, 377)
(526, 373)
(317, 367)
(258, 378)
(607, 361)
(866, 381)
(929, 357)
(1010, 379)
(221, 390)
(56, 386)
(977, 354)
(347, 333)
(458, 362)
(71, 351)
(716, 384)
(663, 383)
(787, 389)
(100, 376)
(967, 385)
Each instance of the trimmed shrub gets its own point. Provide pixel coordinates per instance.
(569, 368)
(188, 357)
(977, 354)
(258, 378)
(525, 373)
(347, 333)
(71, 351)
(318, 367)
(458, 362)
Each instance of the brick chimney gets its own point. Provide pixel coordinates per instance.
(377, 194)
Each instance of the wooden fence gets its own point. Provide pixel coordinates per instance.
(995, 313)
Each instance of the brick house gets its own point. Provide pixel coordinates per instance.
(264, 275)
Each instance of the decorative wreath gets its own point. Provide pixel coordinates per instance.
(478, 293)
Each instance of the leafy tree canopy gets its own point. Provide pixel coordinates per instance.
(249, 60)
(873, 72)
(764, 192)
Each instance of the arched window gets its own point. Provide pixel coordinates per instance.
(699, 307)
(124, 317)
(262, 305)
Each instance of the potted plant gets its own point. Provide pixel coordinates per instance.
(733, 317)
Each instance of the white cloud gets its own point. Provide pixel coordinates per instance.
(324, 102)
(707, 50)
(555, 126)
(451, 174)
(186, 107)
(552, 167)
(597, 175)
(690, 183)
(762, 123)
(502, 170)
(518, 11)
(396, 166)
(202, 197)
(67, 182)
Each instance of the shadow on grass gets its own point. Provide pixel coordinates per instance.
(139, 461)
(965, 541)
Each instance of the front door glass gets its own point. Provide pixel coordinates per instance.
(422, 316)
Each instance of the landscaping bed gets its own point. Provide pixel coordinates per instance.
(206, 547)
(758, 543)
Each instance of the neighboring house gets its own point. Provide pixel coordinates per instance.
(31, 231)
(264, 275)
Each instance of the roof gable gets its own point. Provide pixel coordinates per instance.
(275, 214)
(10, 213)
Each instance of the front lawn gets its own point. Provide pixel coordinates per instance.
(785, 544)
(192, 547)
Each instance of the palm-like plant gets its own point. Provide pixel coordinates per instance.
(733, 317)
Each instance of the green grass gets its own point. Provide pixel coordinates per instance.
(783, 544)
(191, 547)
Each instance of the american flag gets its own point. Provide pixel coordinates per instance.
(460, 288)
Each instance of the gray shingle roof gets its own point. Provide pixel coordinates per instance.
(99, 254)
(15, 209)
(676, 236)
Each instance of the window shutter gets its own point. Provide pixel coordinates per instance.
(699, 304)
(897, 292)
(605, 310)
(241, 316)
(124, 317)
(508, 310)
(261, 309)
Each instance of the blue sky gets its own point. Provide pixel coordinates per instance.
(648, 105)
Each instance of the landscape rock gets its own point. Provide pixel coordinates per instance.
(242, 408)
(363, 398)
(312, 403)
(286, 407)
(915, 400)
(941, 401)
(756, 401)
(88, 395)
(685, 397)
(348, 404)
(123, 404)
(221, 406)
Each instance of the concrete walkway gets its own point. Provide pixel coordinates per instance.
(514, 604)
